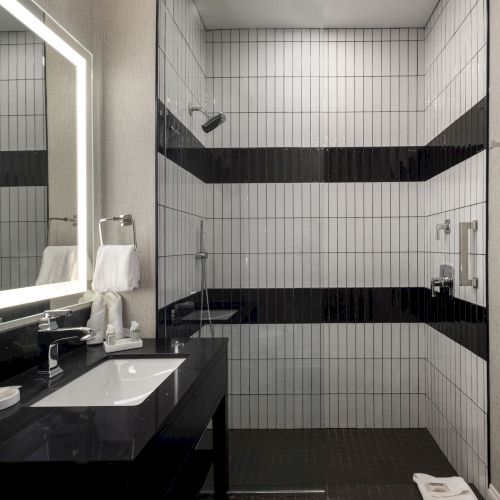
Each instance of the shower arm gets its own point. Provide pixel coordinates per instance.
(192, 109)
(198, 108)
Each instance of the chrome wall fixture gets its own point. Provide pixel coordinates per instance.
(465, 242)
(213, 121)
(444, 283)
(445, 227)
(124, 220)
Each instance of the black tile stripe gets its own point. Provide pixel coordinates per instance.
(179, 145)
(464, 138)
(23, 168)
(461, 321)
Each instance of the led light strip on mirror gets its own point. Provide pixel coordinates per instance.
(10, 298)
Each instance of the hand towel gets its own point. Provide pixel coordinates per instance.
(115, 312)
(443, 487)
(98, 319)
(116, 269)
(58, 264)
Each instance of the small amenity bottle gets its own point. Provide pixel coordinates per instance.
(135, 331)
(110, 335)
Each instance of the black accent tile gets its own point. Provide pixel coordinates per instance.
(339, 461)
(23, 168)
(461, 321)
(462, 139)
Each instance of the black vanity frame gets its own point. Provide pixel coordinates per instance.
(144, 451)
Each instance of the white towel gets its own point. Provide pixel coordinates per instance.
(116, 269)
(443, 487)
(115, 313)
(58, 264)
(98, 319)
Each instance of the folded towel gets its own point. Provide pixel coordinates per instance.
(98, 319)
(431, 487)
(116, 269)
(58, 264)
(115, 313)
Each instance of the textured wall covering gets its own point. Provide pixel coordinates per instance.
(121, 36)
(494, 245)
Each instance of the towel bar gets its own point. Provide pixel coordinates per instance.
(124, 220)
(73, 220)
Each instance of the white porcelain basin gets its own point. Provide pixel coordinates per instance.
(115, 382)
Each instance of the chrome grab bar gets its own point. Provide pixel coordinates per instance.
(464, 279)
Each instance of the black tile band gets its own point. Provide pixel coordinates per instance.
(461, 321)
(23, 168)
(464, 138)
(179, 145)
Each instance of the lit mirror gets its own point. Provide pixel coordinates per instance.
(45, 162)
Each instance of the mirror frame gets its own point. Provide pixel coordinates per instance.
(63, 43)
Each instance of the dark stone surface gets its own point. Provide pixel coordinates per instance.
(96, 434)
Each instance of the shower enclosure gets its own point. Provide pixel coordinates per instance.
(333, 195)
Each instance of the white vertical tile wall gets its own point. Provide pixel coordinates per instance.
(457, 406)
(455, 62)
(317, 88)
(22, 92)
(326, 375)
(23, 234)
(23, 209)
(312, 235)
(457, 194)
(181, 205)
(456, 80)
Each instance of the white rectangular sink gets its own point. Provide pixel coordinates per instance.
(115, 382)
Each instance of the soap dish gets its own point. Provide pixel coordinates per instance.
(123, 345)
(9, 396)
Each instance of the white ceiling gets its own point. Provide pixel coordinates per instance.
(218, 14)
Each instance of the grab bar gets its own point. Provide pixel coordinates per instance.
(464, 279)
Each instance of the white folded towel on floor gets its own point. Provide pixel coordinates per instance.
(443, 487)
(116, 269)
(58, 264)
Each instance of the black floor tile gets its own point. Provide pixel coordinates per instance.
(349, 464)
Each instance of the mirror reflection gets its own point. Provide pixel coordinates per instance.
(38, 190)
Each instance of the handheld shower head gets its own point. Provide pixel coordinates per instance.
(214, 120)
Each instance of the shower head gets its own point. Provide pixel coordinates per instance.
(214, 120)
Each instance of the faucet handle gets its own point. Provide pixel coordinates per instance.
(48, 321)
(57, 313)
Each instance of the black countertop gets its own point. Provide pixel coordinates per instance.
(97, 434)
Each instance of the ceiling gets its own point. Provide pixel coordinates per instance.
(218, 14)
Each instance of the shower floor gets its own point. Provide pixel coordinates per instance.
(348, 464)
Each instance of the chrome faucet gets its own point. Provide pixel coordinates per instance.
(49, 337)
